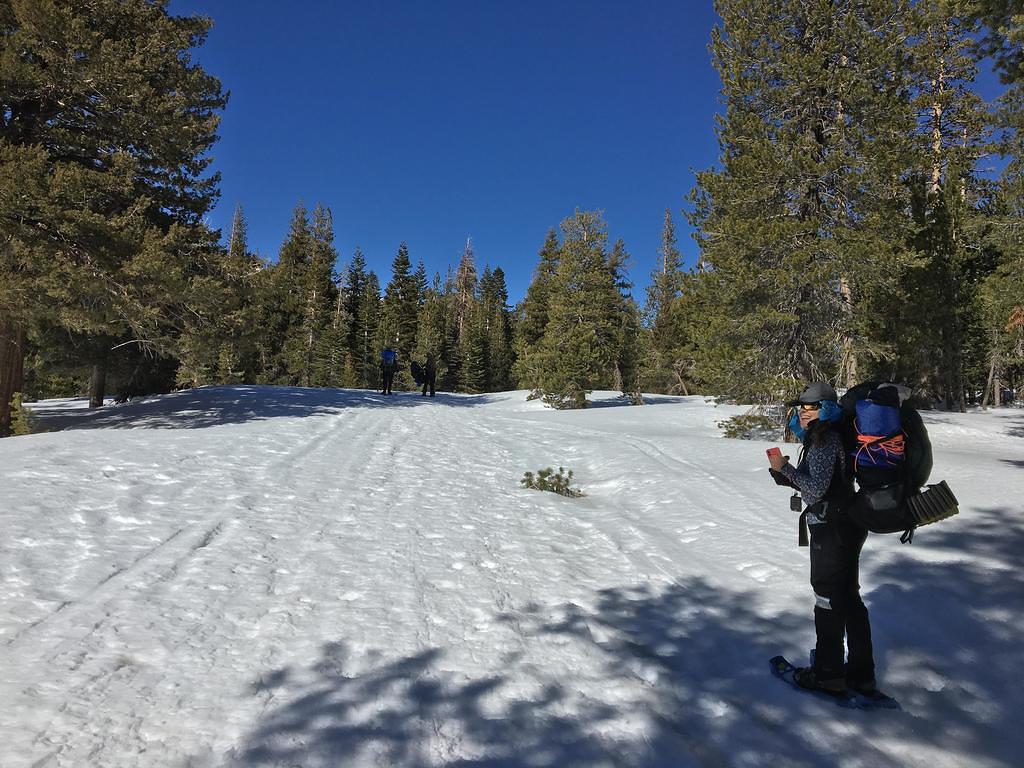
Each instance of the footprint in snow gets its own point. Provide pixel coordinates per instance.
(758, 571)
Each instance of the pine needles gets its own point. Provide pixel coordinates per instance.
(548, 480)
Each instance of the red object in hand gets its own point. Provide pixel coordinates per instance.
(773, 452)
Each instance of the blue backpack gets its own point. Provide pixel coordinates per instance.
(890, 456)
(389, 358)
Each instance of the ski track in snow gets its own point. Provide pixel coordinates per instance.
(365, 583)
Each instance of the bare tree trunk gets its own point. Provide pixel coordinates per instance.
(678, 367)
(12, 368)
(990, 384)
(848, 373)
(307, 376)
(939, 85)
(98, 384)
(849, 362)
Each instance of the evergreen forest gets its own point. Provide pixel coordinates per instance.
(865, 219)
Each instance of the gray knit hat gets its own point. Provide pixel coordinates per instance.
(816, 392)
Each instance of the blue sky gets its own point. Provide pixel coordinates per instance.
(431, 122)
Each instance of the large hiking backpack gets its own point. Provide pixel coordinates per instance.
(389, 359)
(890, 456)
(417, 373)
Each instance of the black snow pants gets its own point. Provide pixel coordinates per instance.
(839, 610)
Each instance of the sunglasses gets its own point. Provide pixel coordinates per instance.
(809, 406)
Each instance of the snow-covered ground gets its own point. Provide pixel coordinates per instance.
(249, 576)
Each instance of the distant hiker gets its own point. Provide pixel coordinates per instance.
(429, 374)
(388, 366)
(836, 542)
(417, 373)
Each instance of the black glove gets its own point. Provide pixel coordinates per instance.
(779, 478)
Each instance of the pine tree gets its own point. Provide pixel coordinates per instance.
(465, 288)
(580, 343)
(498, 327)
(323, 323)
(105, 122)
(243, 266)
(399, 313)
(1003, 38)
(664, 326)
(945, 192)
(533, 314)
(353, 288)
(473, 349)
(290, 301)
(369, 345)
(421, 283)
(797, 229)
(217, 344)
(469, 365)
(1001, 295)
(625, 318)
(434, 330)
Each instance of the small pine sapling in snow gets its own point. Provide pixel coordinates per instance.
(751, 426)
(22, 422)
(548, 480)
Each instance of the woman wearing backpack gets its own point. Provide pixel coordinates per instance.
(836, 544)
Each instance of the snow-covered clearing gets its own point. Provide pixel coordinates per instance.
(249, 576)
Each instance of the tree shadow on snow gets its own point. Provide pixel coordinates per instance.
(213, 406)
(687, 661)
(1016, 428)
(954, 625)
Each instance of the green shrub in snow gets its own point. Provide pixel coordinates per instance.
(548, 480)
(22, 422)
(750, 426)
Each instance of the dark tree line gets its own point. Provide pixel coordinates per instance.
(300, 323)
(852, 228)
(104, 128)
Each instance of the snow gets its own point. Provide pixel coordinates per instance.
(254, 576)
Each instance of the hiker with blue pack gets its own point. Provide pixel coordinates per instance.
(835, 543)
(429, 374)
(388, 366)
(875, 437)
(891, 459)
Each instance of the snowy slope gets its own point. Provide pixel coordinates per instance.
(248, 576)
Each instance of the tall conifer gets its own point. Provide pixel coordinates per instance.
(399, 312)
(369, 345)
(580, 343)
(664, 326)
(498, 324)
(533, 314)
(434, 329)
(942, 285)
(323, 322)
(105, 122)
(793, 226)
(292, 277)
(352, 290)
(626, 320)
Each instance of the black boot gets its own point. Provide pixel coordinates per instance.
(813, 680)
